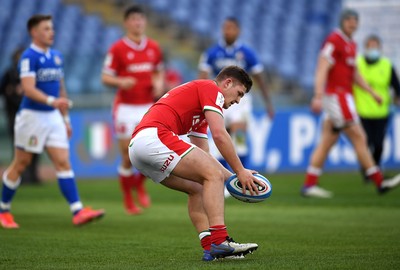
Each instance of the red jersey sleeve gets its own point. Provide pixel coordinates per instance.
(210, 97)
(330, 49)
(111, 63)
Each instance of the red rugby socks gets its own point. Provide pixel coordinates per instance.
(312, 176)
(375, 175)
(218, 234)
(205, 239)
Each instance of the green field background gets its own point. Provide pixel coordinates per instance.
(357, 229)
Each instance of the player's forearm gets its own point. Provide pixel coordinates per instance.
(110, 80)
(225, 146)
(63, 91)
(158, 80)
(266, 96)
(263, 87)
(65, 111)
(359, 80)
(321, 76)
(36, 94)
(320, 82)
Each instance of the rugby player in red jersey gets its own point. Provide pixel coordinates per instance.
(335, 75)
(159, 153)
(134, 66)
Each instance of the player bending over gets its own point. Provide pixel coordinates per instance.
(158, 152)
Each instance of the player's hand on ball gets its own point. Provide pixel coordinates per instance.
(247, 179)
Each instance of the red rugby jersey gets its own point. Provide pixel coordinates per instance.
(128, 59)
(341, 53)
(181, 110)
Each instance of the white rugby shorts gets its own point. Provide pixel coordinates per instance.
(127, 117)
(35, 130)
(340, 109)
(155, 152)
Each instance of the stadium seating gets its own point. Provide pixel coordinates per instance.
(286, 33)
(83, 39)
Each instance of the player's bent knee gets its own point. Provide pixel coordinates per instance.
(215, 175)
(62, 165)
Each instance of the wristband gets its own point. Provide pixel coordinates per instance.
(67, 119)
(50, 100)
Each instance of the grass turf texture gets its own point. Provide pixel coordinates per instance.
(358, 229)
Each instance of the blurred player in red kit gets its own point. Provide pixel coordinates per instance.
(134, 66)
(335, 75)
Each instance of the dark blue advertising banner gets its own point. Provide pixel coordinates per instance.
(282, 145)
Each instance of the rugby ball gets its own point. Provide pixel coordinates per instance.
(235, 189)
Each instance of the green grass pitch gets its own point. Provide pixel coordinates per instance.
(358, 229)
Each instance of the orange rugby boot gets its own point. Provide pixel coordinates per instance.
(7, 221)
(87, 215)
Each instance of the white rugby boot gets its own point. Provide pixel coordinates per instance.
(316, 192)
(230, 248)
(389, 184)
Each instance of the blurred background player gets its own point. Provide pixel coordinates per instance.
(335, 74)
(230, 51)
(11, 90)
(379, 72)
(173, 77)
(157, 150)
(43, 122)
(134, 66)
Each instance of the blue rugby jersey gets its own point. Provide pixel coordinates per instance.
(47, 68)
(219, 56)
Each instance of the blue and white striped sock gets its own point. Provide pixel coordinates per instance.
(8, 192)
(67, 185)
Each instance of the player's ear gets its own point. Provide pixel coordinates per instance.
(33, 32)
(228, 83)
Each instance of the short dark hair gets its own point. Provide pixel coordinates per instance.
(133, 9)
(233, 19)
(36, 19)
(373, 37)
(347, 14)
(238, 74)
